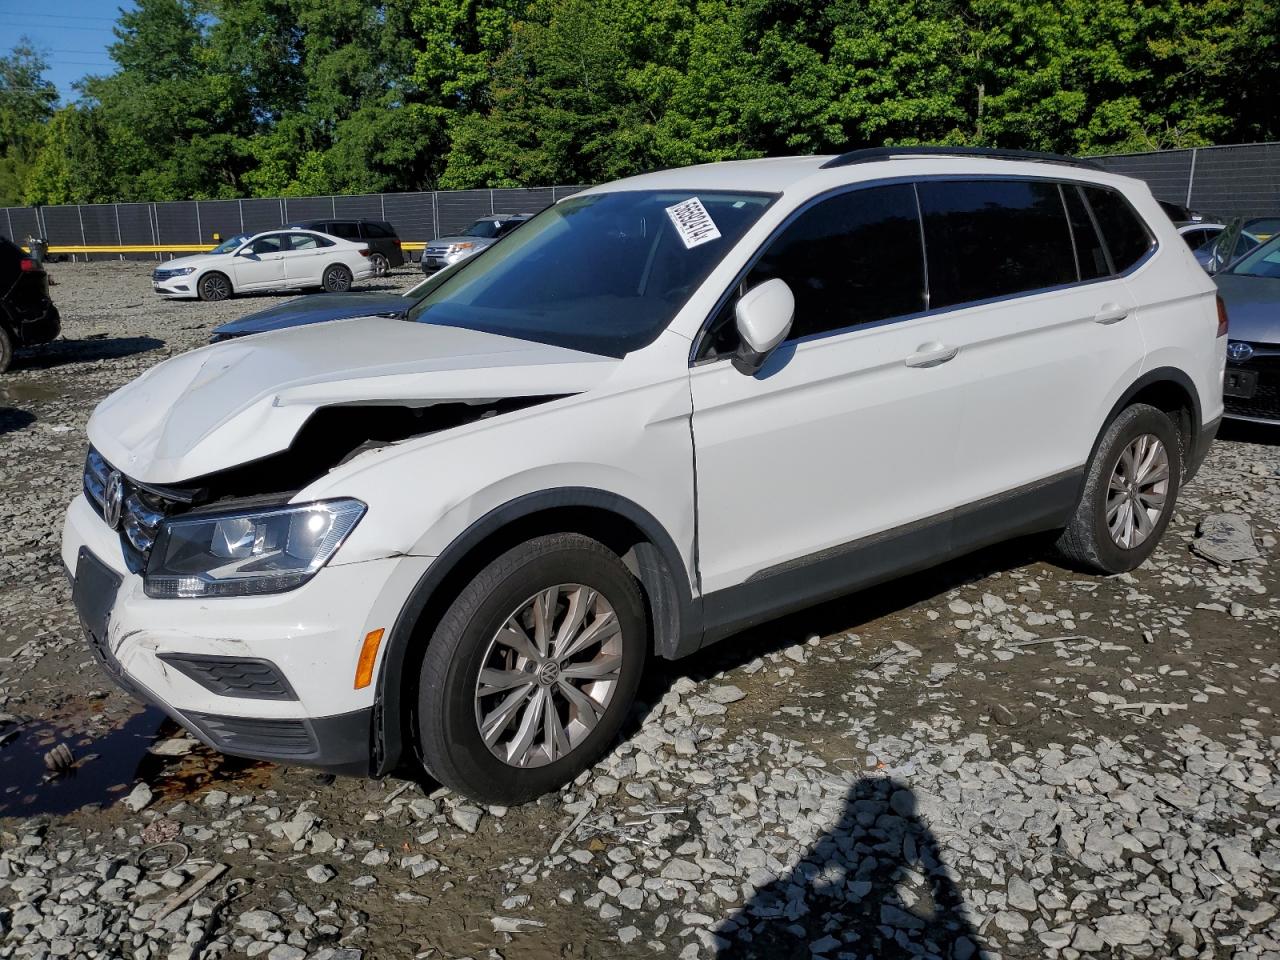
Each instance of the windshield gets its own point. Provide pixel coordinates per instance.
(602, 273)
(1262, 262)
(231, 243)
(484, 229)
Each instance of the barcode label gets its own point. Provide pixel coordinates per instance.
(693, 223)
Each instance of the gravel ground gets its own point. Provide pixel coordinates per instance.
(995, 758)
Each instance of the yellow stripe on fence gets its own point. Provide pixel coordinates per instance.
(56, 248)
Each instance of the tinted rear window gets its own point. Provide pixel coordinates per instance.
(1090, 254)
(346, 229)
(377, 231)
(1126, 235)
(994, 238)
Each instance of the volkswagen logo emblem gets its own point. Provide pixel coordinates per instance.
(113, 501)
(1237, 350)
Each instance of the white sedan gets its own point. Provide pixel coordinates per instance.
(274, 260)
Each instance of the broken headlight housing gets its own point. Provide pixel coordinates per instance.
(250, 553)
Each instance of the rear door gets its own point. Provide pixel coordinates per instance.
(849, 430)
(1033, 308)
(304, 263)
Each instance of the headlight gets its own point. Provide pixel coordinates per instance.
(242, 554)
(459, 247)
(182, 271)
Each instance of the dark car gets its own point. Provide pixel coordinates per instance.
(1250, 288)
(386, 250)
(446, 251)
(1179, 214)
(317, 308)
(27, 314)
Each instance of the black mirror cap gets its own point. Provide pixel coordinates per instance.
(748, 361)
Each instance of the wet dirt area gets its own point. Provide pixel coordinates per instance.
(996, 758)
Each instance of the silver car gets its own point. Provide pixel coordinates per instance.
(446, 251)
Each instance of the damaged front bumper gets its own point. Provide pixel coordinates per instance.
(269, 677)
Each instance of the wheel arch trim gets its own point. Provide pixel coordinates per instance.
(675, 612)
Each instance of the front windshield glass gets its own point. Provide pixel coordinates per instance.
(1262, 262)
(603, 273)
(484, 229)
(231, 243)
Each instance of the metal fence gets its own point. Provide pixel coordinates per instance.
(1223, 181)
(417, 217)
(1235, 181)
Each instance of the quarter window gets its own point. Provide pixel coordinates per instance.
(994, 238)
(1090, 254)
(1127, 238)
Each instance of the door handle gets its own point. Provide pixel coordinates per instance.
(1110, 313)
(931, 354)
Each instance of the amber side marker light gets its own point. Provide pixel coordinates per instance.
(368, 654)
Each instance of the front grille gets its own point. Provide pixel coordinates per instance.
(255, 737)
(435, 253)
(1265, 402)
(251, 679)
(141, 514)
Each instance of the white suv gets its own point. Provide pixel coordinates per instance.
(665, 409)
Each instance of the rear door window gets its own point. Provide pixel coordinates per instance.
(1127, 237)
(1091, 255)
(994, 238)
(376, 231)
(345, 229)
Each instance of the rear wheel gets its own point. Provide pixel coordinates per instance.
(379, 264)
(1129, 494)
(6, 350)
(214, 286)
(531, 671)
(336, 279)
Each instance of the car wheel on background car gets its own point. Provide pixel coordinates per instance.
(1129, 493)
(214, 286)
(336, 279)
(6, 350)
(379, 264)
(531, 671)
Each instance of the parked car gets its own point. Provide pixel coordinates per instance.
(1230, 244)
(1250, 287)
(683, 404)
(275, 260)
(1197, 235)
(1264, 228)
(385, 250)
(485, 232)
(319, 308)
(27, 314)
(1180, 215)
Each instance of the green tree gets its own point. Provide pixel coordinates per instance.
(27, 101)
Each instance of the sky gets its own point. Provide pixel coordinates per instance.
(73, 35)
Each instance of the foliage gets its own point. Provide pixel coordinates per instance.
(223, 98)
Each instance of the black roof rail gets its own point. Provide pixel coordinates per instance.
(874, 154)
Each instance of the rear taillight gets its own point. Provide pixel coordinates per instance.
(1222, 318)
(399, 244)
(364, 251)
(26, 265)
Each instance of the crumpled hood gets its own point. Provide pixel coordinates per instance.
(1253, 307)
(242, 400)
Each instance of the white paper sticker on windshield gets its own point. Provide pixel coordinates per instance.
(693, 223)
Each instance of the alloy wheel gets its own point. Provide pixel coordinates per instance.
(379, 264)
(216, 287)
(548, 675)
(1138, 491)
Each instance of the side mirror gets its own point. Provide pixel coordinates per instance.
(764, 314)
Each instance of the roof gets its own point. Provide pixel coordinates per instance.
(780, 174)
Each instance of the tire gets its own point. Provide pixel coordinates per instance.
(336, 279)
(1113, 529)
(214, 286)
(379, 263)
(6, 349)
(452, 706)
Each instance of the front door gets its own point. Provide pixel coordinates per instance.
(838, 452)
(261, 263)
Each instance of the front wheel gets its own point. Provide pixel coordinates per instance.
(336, 279)
(530, 673)
(214, 286)
(1129, 493)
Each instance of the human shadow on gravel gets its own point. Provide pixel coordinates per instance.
(874, 886)
(62, 352)
(12, 420)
